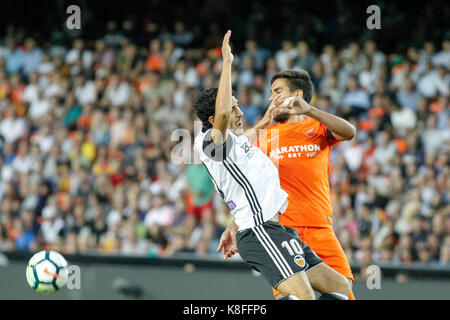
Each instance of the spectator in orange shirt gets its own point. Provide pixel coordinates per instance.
(155, 58)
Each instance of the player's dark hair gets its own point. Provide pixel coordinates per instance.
(297, 79)
(205, 106)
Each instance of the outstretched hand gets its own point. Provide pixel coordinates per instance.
(227, 243)
(226, 49)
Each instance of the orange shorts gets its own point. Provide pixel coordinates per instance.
(324, 243)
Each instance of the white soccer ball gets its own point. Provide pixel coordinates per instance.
(47, 271)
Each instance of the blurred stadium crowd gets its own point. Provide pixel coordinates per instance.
(86, 145)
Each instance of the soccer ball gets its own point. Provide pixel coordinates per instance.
(47, 271)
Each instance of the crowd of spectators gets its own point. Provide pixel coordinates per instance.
(88, 144)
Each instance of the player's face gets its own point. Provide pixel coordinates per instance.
(280, 87)
(236, 117)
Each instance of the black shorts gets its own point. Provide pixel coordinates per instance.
(275, 251)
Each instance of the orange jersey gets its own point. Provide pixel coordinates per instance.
(301, 151)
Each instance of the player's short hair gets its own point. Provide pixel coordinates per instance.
(205, 106)
(297, 79)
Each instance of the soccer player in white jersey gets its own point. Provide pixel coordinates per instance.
(248, 183)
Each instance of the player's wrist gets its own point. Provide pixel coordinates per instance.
(264, 121)
(310, 111)
(227, 60)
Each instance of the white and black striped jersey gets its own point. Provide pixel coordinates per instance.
(244, 176)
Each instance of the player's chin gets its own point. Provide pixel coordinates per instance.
(281, 117)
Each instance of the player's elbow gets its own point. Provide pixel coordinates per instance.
(353, 131)
(350, 132)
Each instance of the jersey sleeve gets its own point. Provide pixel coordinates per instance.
(328, 135)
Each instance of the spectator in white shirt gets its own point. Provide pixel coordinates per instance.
(85, 90)
(385, 150)
(39, 107)
(30, 93)
(161, 213)
(353, 154)
(46, 66)
(45, 139)
(54, 87)
(283, 56)
(403, 119)
(78, 52)
(52, 224)
(159, 218)
(13, 128)
(187, 74)
(7, 171)
(74, 54)
(432, 137)
(434, 81)
(118, 91)
(24, 162)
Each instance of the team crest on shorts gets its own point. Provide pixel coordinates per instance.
(299, 260)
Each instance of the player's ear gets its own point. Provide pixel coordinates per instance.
(299, 93)
(211, 120)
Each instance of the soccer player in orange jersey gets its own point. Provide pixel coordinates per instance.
(300, 143)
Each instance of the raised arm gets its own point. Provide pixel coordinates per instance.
(224, 95)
